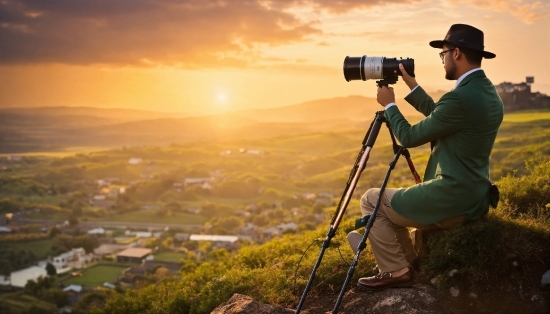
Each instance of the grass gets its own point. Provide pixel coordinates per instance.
(527, 116)
(485, 252)
(169, 256)
(18, 302)
(97, 275)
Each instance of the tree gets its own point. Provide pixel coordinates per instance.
(93, 299)
(168, 242)
(53, 232)
(56, 296)
(52, 271)
(35, 288)
(228, 224)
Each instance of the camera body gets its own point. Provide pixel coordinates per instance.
(386, 70)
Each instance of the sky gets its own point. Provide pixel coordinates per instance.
(212, 56)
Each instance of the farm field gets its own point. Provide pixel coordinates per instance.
(39, 248)
(526, 116)
(97, 275)
(169, 256)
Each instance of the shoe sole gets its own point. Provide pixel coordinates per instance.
(397, 285)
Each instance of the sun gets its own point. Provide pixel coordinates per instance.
(222, 97)
(221, 101)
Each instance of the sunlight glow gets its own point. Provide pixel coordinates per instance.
(222, 97)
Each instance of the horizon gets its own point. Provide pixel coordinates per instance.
(212, 57)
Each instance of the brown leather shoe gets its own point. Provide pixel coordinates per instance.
(385, 280)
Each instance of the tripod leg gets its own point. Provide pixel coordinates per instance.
(358, 168)
(363, 243)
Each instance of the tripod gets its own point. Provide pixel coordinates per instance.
(359, 166)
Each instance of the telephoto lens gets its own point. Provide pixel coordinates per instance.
(375, 68)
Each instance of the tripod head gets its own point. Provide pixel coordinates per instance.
(387, 81)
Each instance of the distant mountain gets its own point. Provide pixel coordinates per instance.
(58, 128)
(352, 107)
(68, 116)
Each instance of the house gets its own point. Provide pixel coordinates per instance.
(133, 255)
(75, 258)
(272, 232)
(181, 237)
(97, 231)
(196, 181)
(139, 234)
(519, 96)
(73, 292)
(109, 285)
(73, 289)
(106, 249)
(222, 241)
(5, 280)
(287, 226)
(19, 278)
(280, 229)
(135, 161)
(107, 181)
(251, 151)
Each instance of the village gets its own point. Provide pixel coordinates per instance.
(129, 252)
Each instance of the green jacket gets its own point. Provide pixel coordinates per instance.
(464, 124)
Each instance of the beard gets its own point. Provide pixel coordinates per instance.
(450, 70)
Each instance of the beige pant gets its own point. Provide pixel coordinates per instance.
(389, 237)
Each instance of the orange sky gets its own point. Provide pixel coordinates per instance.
(206, 56)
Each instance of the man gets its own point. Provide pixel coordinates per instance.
(462, 127)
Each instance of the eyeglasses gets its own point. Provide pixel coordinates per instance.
(442, 53)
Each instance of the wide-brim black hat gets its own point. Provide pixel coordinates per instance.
(466, 36)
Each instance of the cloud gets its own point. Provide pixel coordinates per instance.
(525, 10)
(149, 33)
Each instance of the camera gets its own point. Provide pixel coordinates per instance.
(372, 68)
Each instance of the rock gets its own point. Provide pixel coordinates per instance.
(455, 292)
(453, 272)
(545, 280)
(418, 299)
(242, 304)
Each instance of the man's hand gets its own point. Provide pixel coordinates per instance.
(409, 80)
(385, 95)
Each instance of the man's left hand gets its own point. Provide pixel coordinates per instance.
(385, 95)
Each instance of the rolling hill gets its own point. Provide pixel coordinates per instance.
(59, 128)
